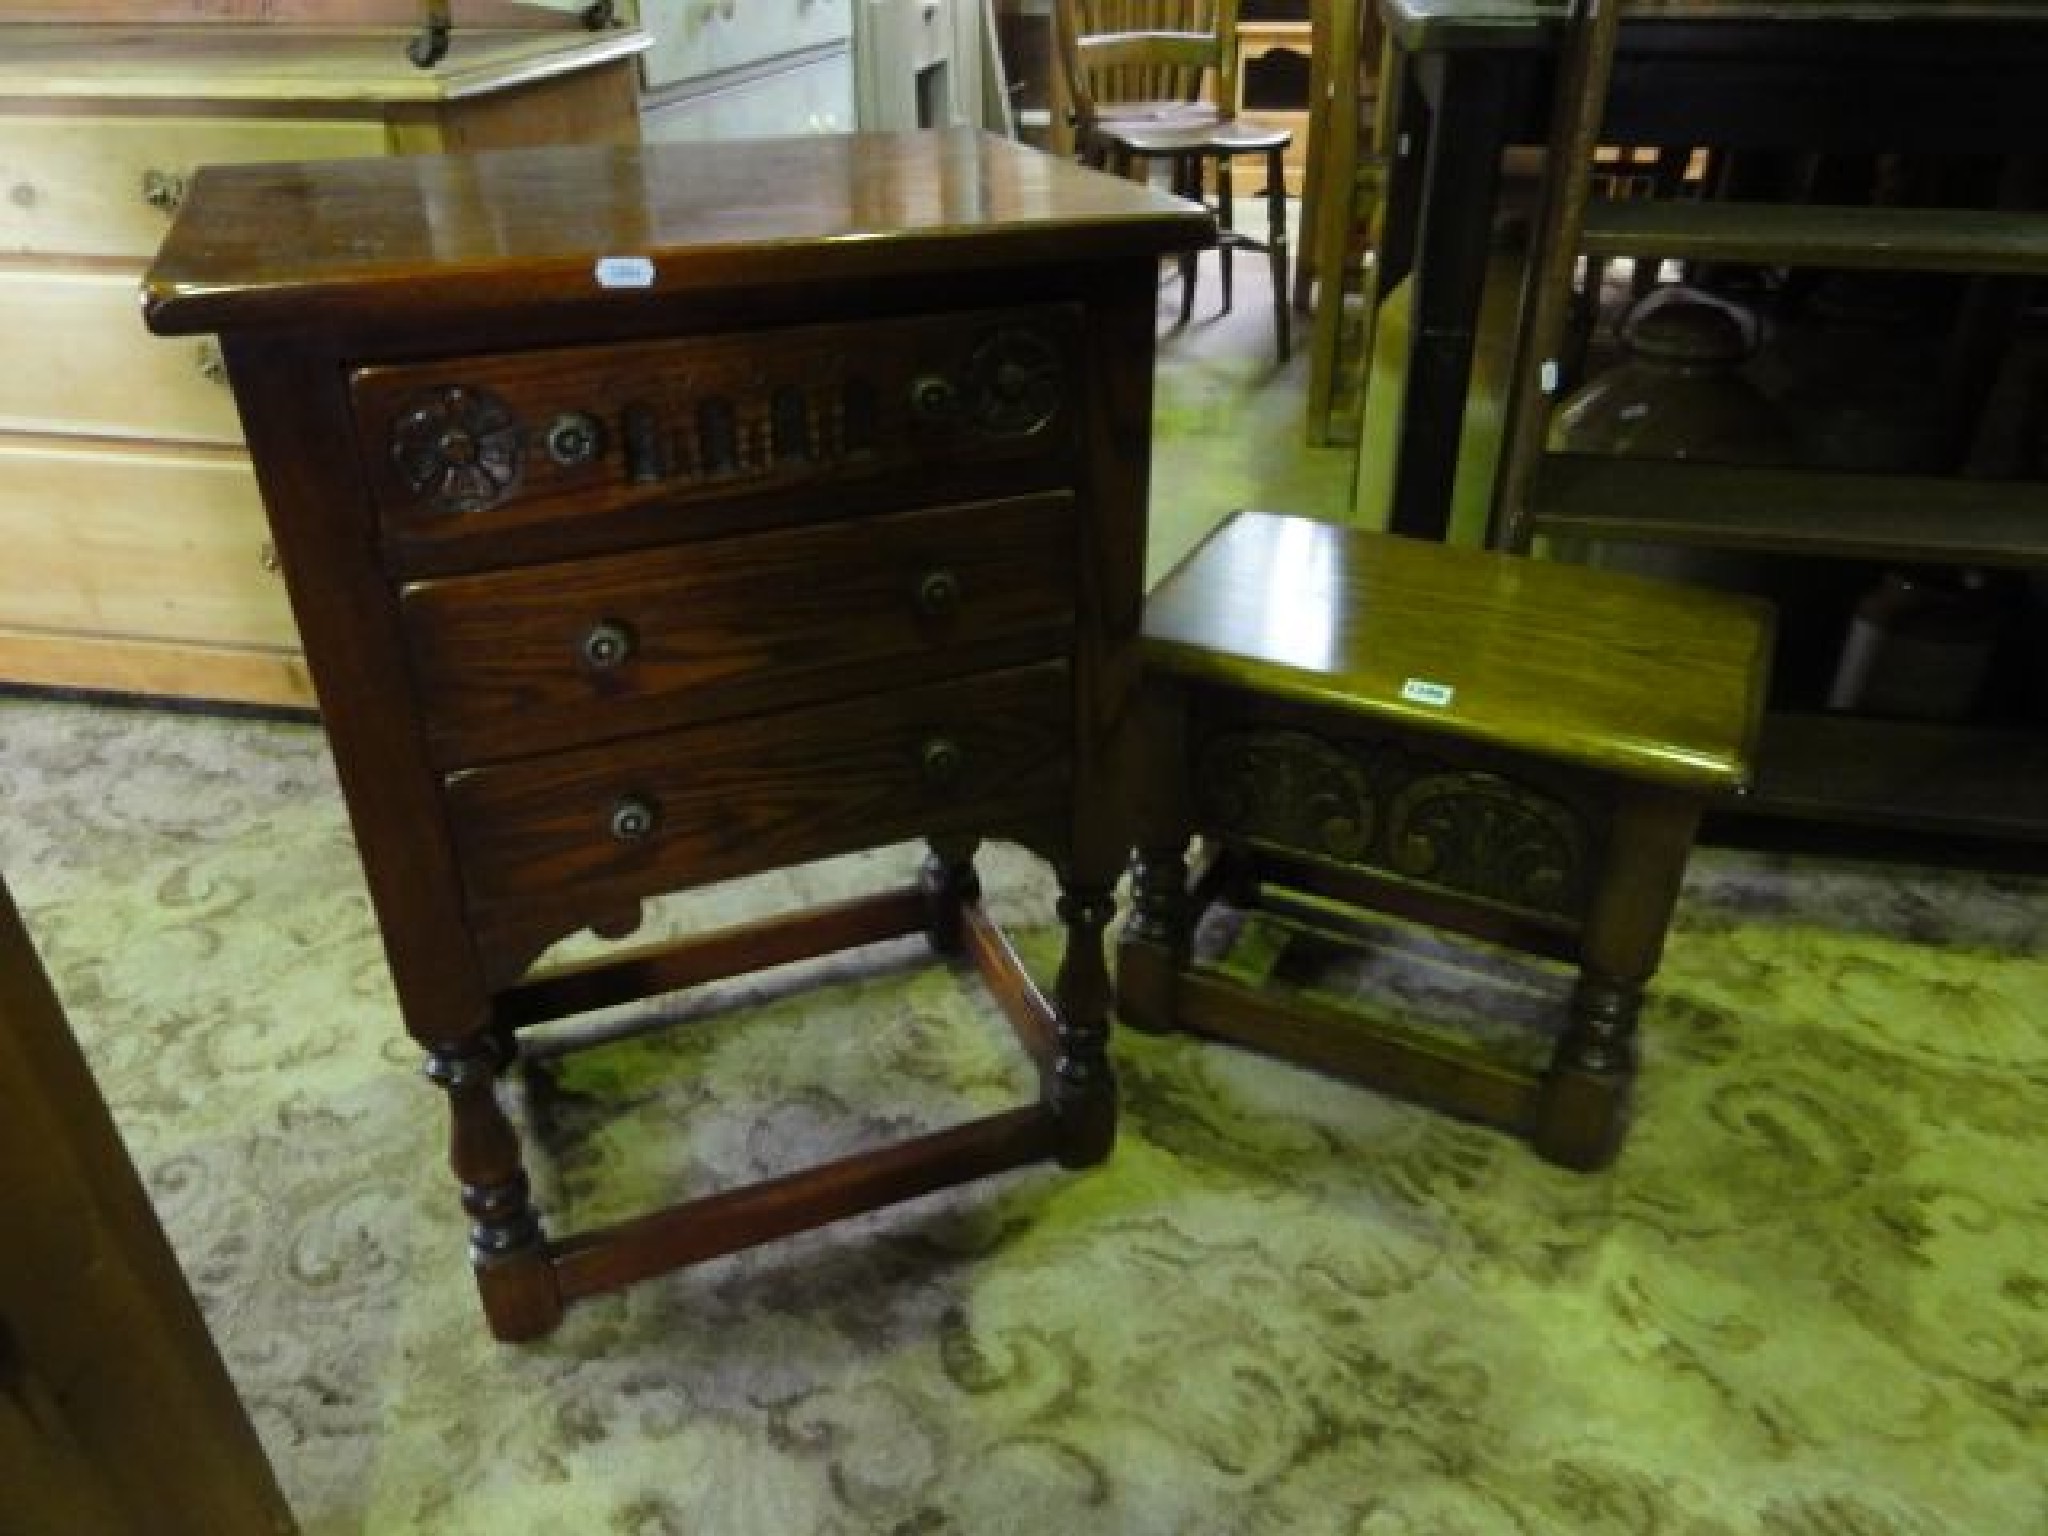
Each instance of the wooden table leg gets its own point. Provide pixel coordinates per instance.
(1460, 182)
(1276, 243)
(1083, 1087)
(949, 882)
(1401, 213)
(1226, 217)
(514, 1273)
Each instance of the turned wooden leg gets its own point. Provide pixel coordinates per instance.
(504, 1044)
(1154, 947)
(1579, 1113)
(1276, 247)
(1187, 183)
(949, 881)
(506, 1248)
(1083, 1087)
(1226, 215)
(1583, 1095)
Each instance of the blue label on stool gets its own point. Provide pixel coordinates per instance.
(1437, 695)
(625, 272)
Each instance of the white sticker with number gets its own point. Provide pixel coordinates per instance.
(625, 272)
(1420, 691)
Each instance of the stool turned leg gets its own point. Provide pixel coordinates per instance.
(949, 881)
(506, 1248)
(1154, 948)
(1578, 1115)
(1083, 1088)
(1579, 1112)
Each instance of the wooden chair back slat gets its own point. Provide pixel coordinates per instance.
(1120, 51)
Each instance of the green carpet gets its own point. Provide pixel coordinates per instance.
(1809, 1299)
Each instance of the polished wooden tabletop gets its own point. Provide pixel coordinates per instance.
(292, 244)
(1528, 23)
(1651, 679)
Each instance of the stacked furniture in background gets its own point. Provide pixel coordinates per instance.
(1906, 83)
(1153, 84)
(727, 70)
(138, 561)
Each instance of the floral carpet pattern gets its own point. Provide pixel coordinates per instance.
(1810, 1299)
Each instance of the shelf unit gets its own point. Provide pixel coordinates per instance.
(1982, 779)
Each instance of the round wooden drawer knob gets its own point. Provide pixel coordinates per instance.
(574, 438)
(933, 398)
(938, 595)
(942, 762)
(632, 819)
(608, 646)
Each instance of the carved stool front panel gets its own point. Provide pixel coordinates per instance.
(1452, 817)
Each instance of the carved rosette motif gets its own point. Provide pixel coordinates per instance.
(459, 448)
(1013, 382)
(1376, 804)
(1286, 787)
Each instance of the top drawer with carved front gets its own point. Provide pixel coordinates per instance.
(584, 448)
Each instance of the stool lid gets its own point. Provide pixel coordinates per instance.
(1646, 679)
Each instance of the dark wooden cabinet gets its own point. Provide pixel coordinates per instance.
(659, 516)
(1907, 82)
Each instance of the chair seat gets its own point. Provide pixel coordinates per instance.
(1192, 138)
(1144, 84)
(1117, 114)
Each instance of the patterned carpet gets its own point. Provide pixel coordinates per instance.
(1809, 1300)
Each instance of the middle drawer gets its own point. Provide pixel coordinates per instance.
(573, 834)
(514, 662)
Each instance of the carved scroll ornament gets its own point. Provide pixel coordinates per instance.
(1382, 805)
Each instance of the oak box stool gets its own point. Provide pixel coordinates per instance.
(1511, 749)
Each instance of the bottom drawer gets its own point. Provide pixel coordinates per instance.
(684, 808)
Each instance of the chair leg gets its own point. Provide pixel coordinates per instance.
(1187, 183)
(1276, 244)
(1224, 216)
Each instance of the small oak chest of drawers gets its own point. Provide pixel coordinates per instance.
(657, 516)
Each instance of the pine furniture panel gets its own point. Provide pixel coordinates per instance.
(110, 378)
(145, 567)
